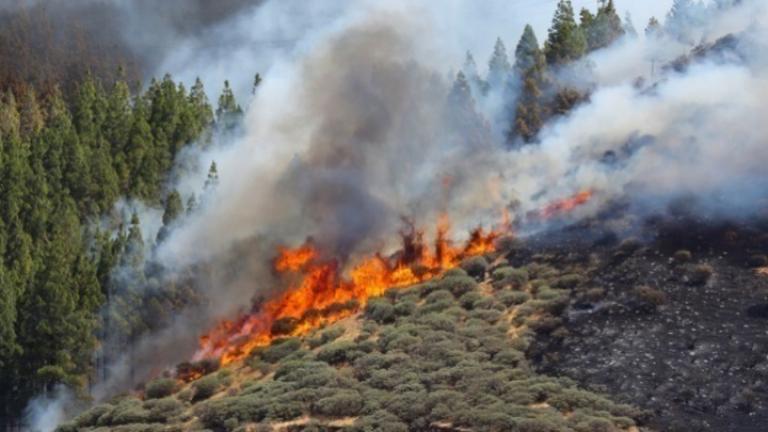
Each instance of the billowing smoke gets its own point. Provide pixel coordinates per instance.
(356, 126)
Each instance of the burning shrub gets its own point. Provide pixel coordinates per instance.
(475, 267)
(190, 371)
(344, 403)
(700, 274)
(683, 256)
(280, 349)
(160, 388)
(284, 326)
(381, 311)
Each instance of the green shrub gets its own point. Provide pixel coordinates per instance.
(475, 266)
(381, 311)
(455, 272)
(92, 415)
(329, 335)
(517, 278)
(569, 281)
(509, 357)
(405, 307)
(379, 421)
(513, 298)
(280, 349)
(160, 388)
(468, 300)
(344, 403)
(161, 410)
(125, 412)
(205, 387)
(458, 285)
(551, 294)
(339, 352)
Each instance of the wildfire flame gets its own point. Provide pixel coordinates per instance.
(323, 294)
(565, 205)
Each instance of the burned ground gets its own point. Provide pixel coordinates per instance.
(677, 325)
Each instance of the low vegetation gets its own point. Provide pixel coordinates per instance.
(449, 353)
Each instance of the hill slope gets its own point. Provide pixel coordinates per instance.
(445, 355)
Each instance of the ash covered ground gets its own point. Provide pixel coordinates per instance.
(676, 324)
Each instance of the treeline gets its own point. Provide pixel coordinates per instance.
(530, 76)
(64, 163)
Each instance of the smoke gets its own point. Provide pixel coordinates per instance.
(45, 412)
(356, 126)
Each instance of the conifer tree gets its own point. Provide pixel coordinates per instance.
(528, 54)
(213, 177)
(629, 26)
(228, 112)
(499, 68)
(654, 28)
(566, 42)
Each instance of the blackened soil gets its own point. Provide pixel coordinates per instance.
(694, 353)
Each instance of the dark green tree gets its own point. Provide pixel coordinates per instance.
(528, 54)
(566, 42)
(228, 114)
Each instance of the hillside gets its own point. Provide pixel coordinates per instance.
(446, 355)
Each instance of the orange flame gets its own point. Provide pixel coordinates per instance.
(323, 296)
(565, 205)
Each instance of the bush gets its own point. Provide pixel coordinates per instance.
(381, 311)
(700, 274)
(339, 352)
(458, 285)
(160, 388)
(161, 410)
(683, 256)
(513, 298)
(379, 421)
(650, 296)
(405, 307)
(569, 281)
(91, 416)
(468, 300)
(595, 294)
(344, 403)
(205, 387)
(328, 335)
(516, 278)
(127, 411)
(280, 349)
(475, 266)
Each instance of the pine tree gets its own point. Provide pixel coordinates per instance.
(654, 28)
(528, 54)
(566, 42)
(470, 67)
(499, 68)
(173, 209)
(134, 248)
(30, 114)
(602, 29)
(213, 177)
(229, 112)
(629, 26)
(529, 116)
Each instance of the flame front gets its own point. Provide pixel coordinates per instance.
(322, 295)
(566, 205)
